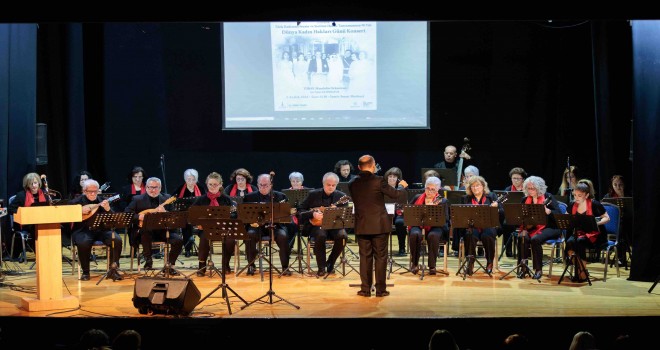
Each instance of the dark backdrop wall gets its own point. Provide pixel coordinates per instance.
(521, 91)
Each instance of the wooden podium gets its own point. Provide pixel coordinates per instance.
(48, 248)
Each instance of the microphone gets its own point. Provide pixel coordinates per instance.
(47, 192)
(272, 174)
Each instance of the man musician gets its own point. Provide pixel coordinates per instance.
(311, 215)
(153, 202)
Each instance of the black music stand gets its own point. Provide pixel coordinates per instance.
(296, 197)
(454, 196)
(569, 223)
(258, 214)
(343, 186)
(111, 222)
(198, 214)
(524, 214)
(397, 203)
(448, 177)
(424, 215)
(471, 216)
(269, 213)
(339, 218)
(165, 221)
(220, 229)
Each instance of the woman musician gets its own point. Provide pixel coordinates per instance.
(583, 238)
(393, 176)
(430, 196)
(535, 191)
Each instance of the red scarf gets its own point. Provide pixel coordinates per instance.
(133, 192)
(29, 198)
(195, 190)
(234, 189)
(538, 228)
(213, 197)
(592, 236)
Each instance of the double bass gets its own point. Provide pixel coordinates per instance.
(462, 155)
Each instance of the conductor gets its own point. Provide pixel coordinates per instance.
(372, 224)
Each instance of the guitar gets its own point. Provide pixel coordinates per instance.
(153, 210)
(105, 186)
(95, 206)
(318, 222)
(501, 198)
(462, 155)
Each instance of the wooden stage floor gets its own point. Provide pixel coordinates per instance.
(479, 310)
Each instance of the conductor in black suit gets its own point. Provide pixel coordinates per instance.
(372, 224)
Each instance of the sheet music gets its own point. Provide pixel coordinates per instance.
(390, 208)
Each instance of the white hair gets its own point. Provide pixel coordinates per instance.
(190, 172)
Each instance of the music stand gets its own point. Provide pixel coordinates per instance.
(455, 196)
(524, 214)
(336, 219)
(296, 197)
(424, 215)
(220, 229)
(511, 196)
(343, 186)
(258, 214)
(197, 215)
(165, 221)
(569, 222)
(448, 177)
(182, 204)
(471, 216)
(111, 222)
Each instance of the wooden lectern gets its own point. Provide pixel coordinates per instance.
(48, 248)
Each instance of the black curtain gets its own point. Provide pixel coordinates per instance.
(646, 168)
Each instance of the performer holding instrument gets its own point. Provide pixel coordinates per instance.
(311, 215)
(154, 202)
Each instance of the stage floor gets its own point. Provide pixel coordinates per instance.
(306, 298)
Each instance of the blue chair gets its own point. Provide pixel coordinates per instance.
(556, 245)
(612, 228)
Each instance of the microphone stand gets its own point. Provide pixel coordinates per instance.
(162, 168)
(570, 185)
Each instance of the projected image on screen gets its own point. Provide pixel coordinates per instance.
(315, 69)
(325, 75)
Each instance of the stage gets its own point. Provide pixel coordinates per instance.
(480, 310)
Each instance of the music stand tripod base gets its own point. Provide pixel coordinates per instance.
(165, 221)
(422, 216)
(111, 222)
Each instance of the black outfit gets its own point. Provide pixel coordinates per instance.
(434, 236)
(126, 195)
(240, 193)
(401, 232)
(228, 244)
(188, 231)
(487, 235)
(550, 231)
(318, 198)
(346, 179)
(372, 228)
(625, 235)
(19, 201)
(578, 240)
(144, 202)
(257, 233)
(445, 165)
(84, 237)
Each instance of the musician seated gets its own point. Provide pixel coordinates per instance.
(84, 237)
(435, 234)
(478, 193)
(296, 179)
(190, 188)
(535, 191)
(214, 197)
(394, 176)
(311, 214)
(263, 195)
(32, 194)
(517, 176)
(154, 202)
(583, 237)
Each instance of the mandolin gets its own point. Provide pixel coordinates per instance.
(95, 206)
(318, 222)
(153, 210)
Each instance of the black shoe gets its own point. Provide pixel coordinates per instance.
(187, 253)
(363, 293)
(173, 272)
(331, 269)
(432, 271)
(84, 277)
(201, 272)
(415, 269)
(402, 252)
(489, 268)
(321, 272)
(538, 275)
(148, 264)
(382, 294)
(250, 270)
(227, 270)
(286, 272)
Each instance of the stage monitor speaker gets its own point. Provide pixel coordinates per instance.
(42, 144)
(153, 295)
